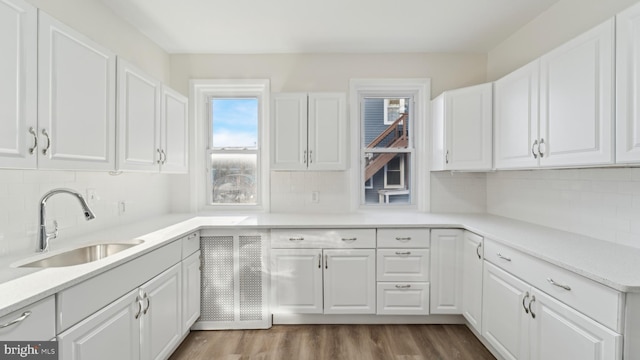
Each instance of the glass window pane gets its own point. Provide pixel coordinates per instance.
(386, 123)
(233, 178)
(387, 178)
(235, 123)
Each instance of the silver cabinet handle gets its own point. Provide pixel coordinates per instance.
(305, 157)
(32, 131)
(148, 303)
(139, 307)
(503, 257)
(349, 239)
(403, 286)
(446, 157)
(566, 287)
(533, 149)
(408, 238)
(540, 148)
(24, 315)
(524, 299)
(403, 253)
(163, 156)
(319, 261)
(296, 239)
(159, 161)
(310, 156)
(533, 299)
(194, 235)
(478, 250)
(326, 261)
(46, 149)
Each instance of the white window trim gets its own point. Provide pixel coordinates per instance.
(200, 93)
(420, 90)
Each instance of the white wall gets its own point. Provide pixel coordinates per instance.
(601, 203)
(290, 191)
(458, 192)
(145, 195)
(560, 23)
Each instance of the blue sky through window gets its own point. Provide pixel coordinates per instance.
(235, 123)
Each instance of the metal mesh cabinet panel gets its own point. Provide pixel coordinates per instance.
(234, 281)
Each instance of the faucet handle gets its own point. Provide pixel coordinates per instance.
(54, 233)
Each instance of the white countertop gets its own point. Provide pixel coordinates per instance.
(614, 265)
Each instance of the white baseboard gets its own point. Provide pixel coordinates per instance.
(292, 319)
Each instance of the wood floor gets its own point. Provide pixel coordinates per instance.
(335, 342)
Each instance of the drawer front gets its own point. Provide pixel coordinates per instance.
(403, 238)
(595, 300)
(403, 265)
(324, 238)
(190, 244)
(403, 298)
(36, 322)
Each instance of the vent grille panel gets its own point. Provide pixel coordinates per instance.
(217, 278)
(250, 278)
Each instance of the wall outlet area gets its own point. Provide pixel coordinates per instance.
(315, 197)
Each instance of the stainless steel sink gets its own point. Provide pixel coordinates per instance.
(82, 255)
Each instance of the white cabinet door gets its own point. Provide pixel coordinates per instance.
(111, 333)
(296, 281)
(161, 325)
(409, 298)
(472, 260)
(576, 100)
(349, 281)
(627, 85)
(468, 128)
(327, 126)
(437, 128)
(289, 131)
(505, 318)
(446, 271)
(403, 264)
(559, 332)
(191, 275)
(18, 84)
(76, 99)
(515, 116)
(138, 119)
(174, 132)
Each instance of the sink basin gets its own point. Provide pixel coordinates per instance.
(82, 255)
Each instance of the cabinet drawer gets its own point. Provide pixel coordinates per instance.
(324, 238)
(38, 322)
(595, 300)
(404, 238)
(190, 244)
(397, 298)
(403, 265)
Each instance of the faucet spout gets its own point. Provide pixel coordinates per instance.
(43, 235)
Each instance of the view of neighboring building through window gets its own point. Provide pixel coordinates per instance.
(234, 151)
(387, 149)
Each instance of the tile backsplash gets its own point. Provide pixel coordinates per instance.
(291, 191)
(457, 192)
(120, 199)
(600, 203)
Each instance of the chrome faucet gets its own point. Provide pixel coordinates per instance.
(44, 236)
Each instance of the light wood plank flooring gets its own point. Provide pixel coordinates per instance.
(335, 342)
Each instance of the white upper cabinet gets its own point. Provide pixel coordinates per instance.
(174, 132)
(576, 100)
(515, 116)
(627, 83)
(138, 119)
(76, 99)
(18, 84)
(464, 129)
(152, 123)
(309, 131)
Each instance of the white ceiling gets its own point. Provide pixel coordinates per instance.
(312, 26)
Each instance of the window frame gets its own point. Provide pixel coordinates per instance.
(202, 90)
(402, 175)
(419, 90)
(386, 111)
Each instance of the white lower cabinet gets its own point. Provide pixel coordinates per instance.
(472, 259)
(191, 277)
(36, 322)
(398, 298)
(521, 322)
(329, 281)
(446, 271)
(143, 324)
